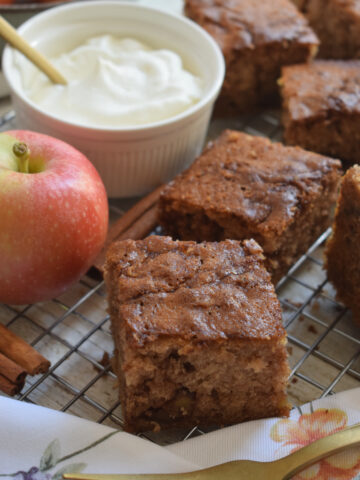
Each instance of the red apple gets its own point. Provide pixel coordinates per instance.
(53, 217)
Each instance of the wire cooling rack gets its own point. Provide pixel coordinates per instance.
(73, 331)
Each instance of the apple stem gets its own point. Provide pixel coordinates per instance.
(22, 153)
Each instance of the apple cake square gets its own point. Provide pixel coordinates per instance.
(198, 333)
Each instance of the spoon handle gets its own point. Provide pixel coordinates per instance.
(306, 456)
(12, 37)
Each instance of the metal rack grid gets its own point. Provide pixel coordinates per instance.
(73, 330)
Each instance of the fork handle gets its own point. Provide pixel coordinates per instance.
(306, 456)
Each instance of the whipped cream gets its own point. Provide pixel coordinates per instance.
(115, 82)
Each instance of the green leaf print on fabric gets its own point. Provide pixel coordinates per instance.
(51, 455)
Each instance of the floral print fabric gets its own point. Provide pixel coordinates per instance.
(42, 444)
(310, 427)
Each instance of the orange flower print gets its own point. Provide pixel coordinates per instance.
(294, 434)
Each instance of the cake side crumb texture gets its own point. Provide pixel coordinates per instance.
(342, 250)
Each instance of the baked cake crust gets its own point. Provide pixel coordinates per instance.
(198, 333)
(337, 24)
(342, 250)
(321, 107)
(247, 187)
(256, 38)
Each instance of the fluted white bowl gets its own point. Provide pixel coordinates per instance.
(133, 160)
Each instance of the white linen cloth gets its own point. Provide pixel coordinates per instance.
(37, 443)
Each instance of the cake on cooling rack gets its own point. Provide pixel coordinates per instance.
(342, 250)
(321, 107)
(257, 38)
(247, 187)
(198, 333)
(337, 24)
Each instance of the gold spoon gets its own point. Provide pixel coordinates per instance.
(12, 37)
(283, 469)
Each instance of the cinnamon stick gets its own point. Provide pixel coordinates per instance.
(10, 388)
(142, 227)
(22, 353)
(135, 224)
(11, 370)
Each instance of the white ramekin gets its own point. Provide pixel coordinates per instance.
(131, 161)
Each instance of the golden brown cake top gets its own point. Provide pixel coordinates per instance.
(314, 89)
(264, 185)
(238, 24)
(206, 291)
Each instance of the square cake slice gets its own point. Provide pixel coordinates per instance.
(247, 187)
(342, 250)
(337, 24)
(321, 107)
(257, 38)
(198, 333)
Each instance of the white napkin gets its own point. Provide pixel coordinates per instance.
(34, 438)
(40, 444)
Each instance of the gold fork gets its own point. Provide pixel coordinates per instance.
(282, 469)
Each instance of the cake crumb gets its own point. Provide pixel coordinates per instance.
(316, 305)
(105, 362)
(312, 329)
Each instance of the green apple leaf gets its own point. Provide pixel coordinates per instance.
(7, 157)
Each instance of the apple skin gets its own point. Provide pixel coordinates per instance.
(52, 224)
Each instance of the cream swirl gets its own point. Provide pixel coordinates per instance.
(115, 82)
